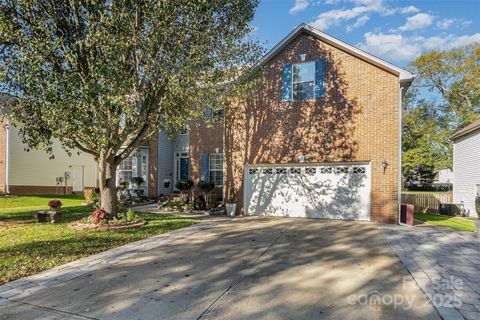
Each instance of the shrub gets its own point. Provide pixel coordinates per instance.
(99, 215)
(137, 181)
(184, 186)
(130, 215)
(206, 186)
(55, 204)
(199, 203)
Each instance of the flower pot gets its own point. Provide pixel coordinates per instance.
(231, 209)
(55, 216)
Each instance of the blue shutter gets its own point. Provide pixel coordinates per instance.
(319, 78)
(287, 82)
(204, 174)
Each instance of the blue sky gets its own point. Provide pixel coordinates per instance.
(397, 31)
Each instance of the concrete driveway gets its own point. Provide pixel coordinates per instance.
(246, 268)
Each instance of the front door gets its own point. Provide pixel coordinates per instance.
(183, 168)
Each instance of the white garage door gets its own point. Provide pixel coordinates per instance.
(339, 191)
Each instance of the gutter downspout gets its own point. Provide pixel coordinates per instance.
(399, 182)
(7, 156)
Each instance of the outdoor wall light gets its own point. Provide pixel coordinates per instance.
(302, 57)
(384, 166)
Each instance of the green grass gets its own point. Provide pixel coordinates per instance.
(27, 247)
(455, 223)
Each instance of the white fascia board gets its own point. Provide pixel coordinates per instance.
(405, 77)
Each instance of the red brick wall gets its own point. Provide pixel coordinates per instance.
(356, 120)
(203, 139)
(40, 190)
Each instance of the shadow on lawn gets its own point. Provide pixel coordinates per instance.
(26, 215)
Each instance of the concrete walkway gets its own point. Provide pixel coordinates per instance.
(246, 268)
(446, 265)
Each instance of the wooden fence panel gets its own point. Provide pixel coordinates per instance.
(427, 202)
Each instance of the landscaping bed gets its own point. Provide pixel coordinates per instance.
(27, 247)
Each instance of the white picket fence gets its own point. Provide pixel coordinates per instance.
(427, 202)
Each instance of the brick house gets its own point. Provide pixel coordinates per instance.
(319, 137)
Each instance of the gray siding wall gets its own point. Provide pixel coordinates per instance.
(165, 163)
(181, 143)
(466, 169)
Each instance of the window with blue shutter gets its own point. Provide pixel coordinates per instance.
(319, 78)
(302, 81)
(204, 173)
(287, 82)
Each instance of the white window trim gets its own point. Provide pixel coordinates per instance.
(293, 82)
(210, 167)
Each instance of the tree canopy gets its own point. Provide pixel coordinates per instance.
(104, 76)
(452, 81)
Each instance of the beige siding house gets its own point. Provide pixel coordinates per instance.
(466, 166)
(33, 172)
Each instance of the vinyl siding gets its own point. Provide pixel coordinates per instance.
(34, 168)
(466, 169)
(165, 162)
(181, 142)
(3, 154)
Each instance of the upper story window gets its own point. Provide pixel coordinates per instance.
(302, 81)
(214, 115)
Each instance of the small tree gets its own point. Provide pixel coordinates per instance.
(206, 187)
(103, 77)
(184, 186)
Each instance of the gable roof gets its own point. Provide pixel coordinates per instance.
(470, 128)
(406, 77)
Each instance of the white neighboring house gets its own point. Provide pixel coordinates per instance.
(466, 166)
(444, 176)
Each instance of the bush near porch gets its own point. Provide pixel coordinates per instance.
(27, 247)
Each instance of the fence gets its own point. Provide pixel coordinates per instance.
(427, 202)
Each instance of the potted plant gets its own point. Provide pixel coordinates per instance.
(166, 182)
(55, 205)
(477, 208)
(230, 205)
(55, 213)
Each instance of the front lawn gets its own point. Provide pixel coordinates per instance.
(455, 223)
(27, 247)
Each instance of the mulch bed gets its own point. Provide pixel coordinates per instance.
(101, 227)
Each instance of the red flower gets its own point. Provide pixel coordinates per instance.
(99, 214)
(55, 204)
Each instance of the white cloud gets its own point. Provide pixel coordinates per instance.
(406, 48)
(359, 23)
(361, 11)
(409, 9)
(418, 21)
(445, 23)
(299, 6)
(334, 17)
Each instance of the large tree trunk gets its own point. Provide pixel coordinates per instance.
(107, 183)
